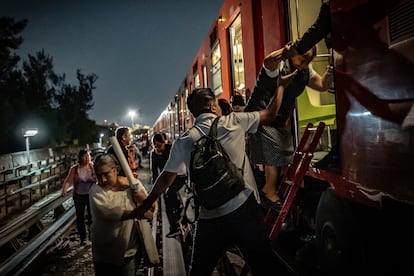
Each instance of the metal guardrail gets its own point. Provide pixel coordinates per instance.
(22, 255)
(31, 216)
(21, 260)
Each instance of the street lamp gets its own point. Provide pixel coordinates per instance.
(100, 139)
(132, 114)
(29, 133)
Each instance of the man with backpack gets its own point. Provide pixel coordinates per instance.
(239, 220)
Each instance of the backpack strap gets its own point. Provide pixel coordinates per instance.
(200, 130)
(213, 135)
(213, 125)
(213, 129)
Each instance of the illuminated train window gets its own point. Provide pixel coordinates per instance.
(236, 51)
(216, 69)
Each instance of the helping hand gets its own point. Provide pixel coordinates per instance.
(143, 211)
(289, 50)
(149, 215)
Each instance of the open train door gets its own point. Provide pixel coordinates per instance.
(362, 221)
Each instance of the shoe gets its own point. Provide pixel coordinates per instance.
(266, 203)
(174, 233)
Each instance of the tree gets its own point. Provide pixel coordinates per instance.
(41, 81)
(9, 40)
(74, 103)
(11, 80)
(35, 93)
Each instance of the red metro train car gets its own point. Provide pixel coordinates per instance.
(356, 216)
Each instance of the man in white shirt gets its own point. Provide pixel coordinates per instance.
(240, 220)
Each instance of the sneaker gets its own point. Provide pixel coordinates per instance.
(174, 233)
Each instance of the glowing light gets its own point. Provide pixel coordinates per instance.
(30, 132)
(27, 134)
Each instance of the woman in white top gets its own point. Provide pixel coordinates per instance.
(114, 236)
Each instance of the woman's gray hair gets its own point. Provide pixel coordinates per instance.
(105, 159)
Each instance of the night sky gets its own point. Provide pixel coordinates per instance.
(139, 49)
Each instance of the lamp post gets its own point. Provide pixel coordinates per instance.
(27, 134)
(100, 139)
(132, 114)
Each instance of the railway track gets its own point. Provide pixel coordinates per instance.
(28, 235)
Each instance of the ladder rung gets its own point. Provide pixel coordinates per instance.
(294, 175)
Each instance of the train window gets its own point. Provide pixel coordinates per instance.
(205, 76)
(196, 80)
(236, 52)
(216, 70)
(187, 122)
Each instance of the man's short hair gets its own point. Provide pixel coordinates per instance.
(225, 106)
(238, 100)
(199, 101)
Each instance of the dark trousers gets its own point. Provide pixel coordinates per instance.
(173, 203)
(243, 228)
(106, 269)
(82, 203)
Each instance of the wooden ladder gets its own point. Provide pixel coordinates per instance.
(293, 176)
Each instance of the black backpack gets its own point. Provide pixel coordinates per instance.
(215, 178)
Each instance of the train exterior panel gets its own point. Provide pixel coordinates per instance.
(357, 214)
(375, 89)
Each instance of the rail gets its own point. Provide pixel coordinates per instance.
(26, 237)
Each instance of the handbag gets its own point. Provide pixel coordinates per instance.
(148, 247)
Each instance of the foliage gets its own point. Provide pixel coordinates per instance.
(35, 96)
